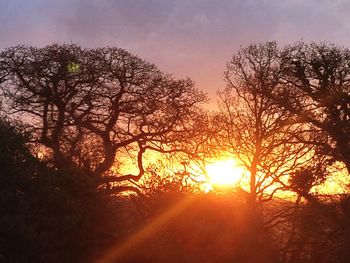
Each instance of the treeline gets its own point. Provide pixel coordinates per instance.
(72, 118)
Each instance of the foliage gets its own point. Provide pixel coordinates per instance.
(46, 215)
(314, 87)
(284, 114)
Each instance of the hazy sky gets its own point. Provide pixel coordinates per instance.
(193, 38)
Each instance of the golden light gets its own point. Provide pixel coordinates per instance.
(225, 172)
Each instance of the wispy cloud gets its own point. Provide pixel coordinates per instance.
(189, 38)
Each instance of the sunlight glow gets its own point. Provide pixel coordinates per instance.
(225, 172)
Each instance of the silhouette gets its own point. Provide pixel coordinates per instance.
(79, 120)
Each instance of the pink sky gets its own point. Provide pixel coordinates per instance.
(187, 38)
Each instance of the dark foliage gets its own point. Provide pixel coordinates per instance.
(90, 107)
(46, 215)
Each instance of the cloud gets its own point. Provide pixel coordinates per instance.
(189, 38)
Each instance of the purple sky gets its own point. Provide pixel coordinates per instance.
(193, 38)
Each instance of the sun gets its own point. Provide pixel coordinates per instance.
(224, 172)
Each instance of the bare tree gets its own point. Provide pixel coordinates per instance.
(252, 128)
(315, 88)
(92, 106)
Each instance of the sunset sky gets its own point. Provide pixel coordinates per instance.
(187, 38)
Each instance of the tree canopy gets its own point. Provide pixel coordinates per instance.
(91, 106)
(284, 115)
(314, 87)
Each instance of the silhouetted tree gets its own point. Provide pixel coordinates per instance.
(89, 107)
(314, 235)
(49, 215)
(18, 167)
(314, 86)
(250, 126)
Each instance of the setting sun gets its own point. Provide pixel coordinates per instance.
(224, 172)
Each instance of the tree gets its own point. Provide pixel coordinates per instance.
(314, 87)
(49, 215)
(15, 162)
(89, 107)
(250, 126)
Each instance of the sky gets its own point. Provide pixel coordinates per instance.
(187, 38)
